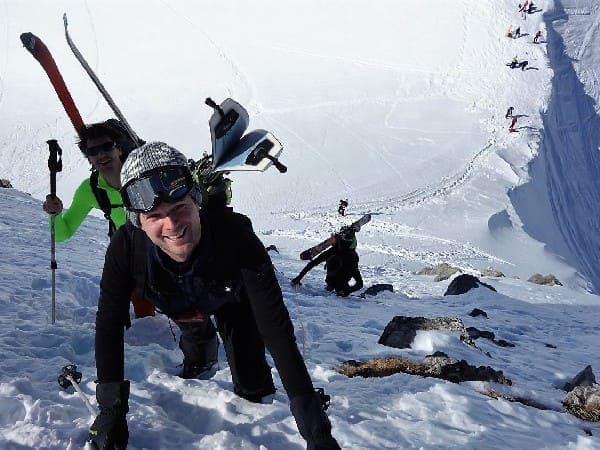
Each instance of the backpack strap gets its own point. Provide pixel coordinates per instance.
(103, 202)
(138, 255)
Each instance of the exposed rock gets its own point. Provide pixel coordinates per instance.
(474, 333)
(272, 247)
(503, 343)
(551, 346)
(584, 378)
(401, 331)
(548, 280)
(525, 401)
(442, 271)
(478, 312)
(491, 273)
(376, 289)
(464, 283)
(438, 365)
(584, 402)
(4, 183)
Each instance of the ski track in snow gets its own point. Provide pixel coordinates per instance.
(235, 68)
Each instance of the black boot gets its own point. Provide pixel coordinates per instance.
(199, 345)
(312, 422)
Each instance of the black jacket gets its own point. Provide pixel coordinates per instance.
(229, 264)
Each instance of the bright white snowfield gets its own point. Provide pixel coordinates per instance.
(397, 105)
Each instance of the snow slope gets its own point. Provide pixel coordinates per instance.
(397, 107)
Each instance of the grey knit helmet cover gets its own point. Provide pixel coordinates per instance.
(148, 157)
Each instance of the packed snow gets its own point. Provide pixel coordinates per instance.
(397, 106)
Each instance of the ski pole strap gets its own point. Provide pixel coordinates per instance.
(54, 163)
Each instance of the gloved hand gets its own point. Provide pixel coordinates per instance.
(109, 431)
(52, 205)
(312, 422)
(296, 281)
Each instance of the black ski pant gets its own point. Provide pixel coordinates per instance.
(198, 342)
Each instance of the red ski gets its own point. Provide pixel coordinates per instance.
(314, 251)
(40, 52)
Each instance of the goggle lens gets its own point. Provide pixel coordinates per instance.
(169, 184)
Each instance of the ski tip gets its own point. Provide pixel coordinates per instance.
(305, 256)
(28, 40)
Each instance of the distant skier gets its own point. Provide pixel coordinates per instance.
(509, 112)
(342, 207)
(523, 64)
(513, 62)
(513, 122)
(341, 262)
(531, 8)
(538, 35)
(517, 33)
(523, 9)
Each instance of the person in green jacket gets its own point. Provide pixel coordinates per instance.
(105, 145)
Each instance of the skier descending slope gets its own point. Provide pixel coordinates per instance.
(191, 265)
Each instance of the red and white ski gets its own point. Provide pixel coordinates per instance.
(310, 253)
(40, 52)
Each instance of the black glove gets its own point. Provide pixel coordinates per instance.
(109, 431)
(312, 422)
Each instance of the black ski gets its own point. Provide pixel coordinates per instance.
(98, 84)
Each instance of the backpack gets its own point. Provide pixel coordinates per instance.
(103, 202)
(215, 186)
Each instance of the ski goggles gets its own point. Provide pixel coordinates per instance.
(166, 184)
(106, 147)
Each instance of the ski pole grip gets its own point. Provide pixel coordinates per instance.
(54, 163)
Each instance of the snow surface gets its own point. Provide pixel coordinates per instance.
(397, 106)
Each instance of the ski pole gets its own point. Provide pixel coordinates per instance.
(55, 165)
(71, 377)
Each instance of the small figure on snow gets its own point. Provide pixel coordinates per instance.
(341, 263)
(531, 8)
(342, 207)
(509, 112)
(513, 62)
(513, 122)
(517, 33)
(523, 64)
(537, 36)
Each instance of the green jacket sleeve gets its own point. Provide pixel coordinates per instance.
(67, 223)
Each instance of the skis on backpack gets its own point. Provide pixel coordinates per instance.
(232, 150)
(98, 84)
(40, 52)
(310, 253)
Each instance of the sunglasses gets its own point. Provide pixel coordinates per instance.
(105, 148)
(169, 184)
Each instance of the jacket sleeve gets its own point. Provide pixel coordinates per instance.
(271, 315)
(315, 262)
(67, 222)
(112, 317)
